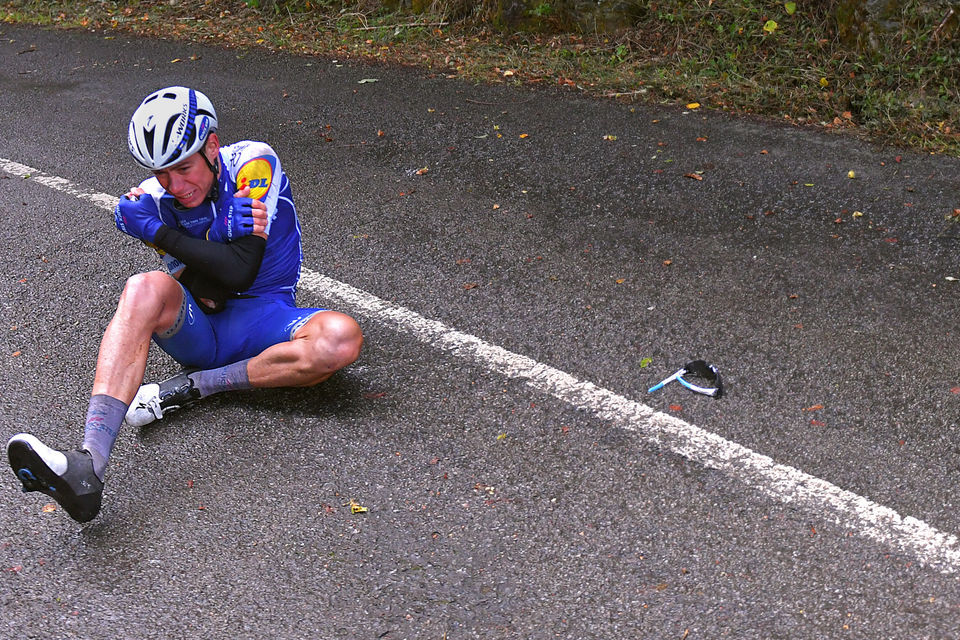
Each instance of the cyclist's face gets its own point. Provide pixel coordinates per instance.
(190, 180)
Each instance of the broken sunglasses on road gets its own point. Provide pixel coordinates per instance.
(699, 369)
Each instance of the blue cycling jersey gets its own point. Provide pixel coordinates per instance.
(244, 164)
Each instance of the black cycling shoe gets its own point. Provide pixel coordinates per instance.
(78, 490)
(153, 401)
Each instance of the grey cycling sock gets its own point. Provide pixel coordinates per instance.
(232, 377)
(104, 417)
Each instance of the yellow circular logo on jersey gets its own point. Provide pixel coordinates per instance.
(256, 174)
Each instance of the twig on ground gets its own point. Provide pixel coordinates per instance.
(401, 26)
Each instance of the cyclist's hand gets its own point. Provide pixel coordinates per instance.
(234, 219)
(137, 216)
(260, 217)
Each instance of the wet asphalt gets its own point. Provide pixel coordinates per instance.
(565, 229)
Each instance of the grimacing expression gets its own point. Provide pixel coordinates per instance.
(190, 180)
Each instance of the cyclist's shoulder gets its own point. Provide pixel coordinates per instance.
(240, 153)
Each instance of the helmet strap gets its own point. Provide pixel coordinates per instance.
(215, 170)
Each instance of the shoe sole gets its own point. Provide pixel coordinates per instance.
(35, 475)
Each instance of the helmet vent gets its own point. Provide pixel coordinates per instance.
(147, 139)
(166, 134)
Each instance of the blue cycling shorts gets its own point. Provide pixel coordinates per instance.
(245, 328)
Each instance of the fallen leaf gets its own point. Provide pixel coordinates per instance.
(175, 60)
(524, 135)
(356, 507)
(645, 362)
(701, 139)
(15, 354)
(676, 407)
(422, 171)
(815, 407)
(50, 507)
(470, 285)
(621, 280)
(693, 175)
(667, 263)
(495, 207)
(817, 423)
(955, 390)
(693, 105)
(501, 436)
(609, 137)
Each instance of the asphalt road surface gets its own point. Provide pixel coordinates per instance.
(525, 263)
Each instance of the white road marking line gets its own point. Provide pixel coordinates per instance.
(782, 483)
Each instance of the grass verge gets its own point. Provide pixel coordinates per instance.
(897, 86)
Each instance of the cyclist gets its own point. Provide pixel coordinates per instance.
(224, 222)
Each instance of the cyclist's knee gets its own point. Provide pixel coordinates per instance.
(344, 337)
(149, 294)
(335, 340)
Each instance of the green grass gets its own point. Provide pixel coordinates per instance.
(726, 55)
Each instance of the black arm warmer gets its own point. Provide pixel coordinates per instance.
(209, 294)
(234, 265)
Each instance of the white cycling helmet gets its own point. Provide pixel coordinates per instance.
(170, 125)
